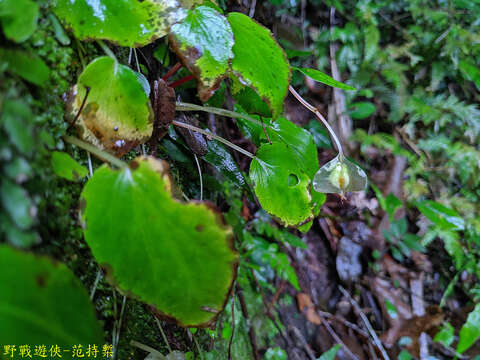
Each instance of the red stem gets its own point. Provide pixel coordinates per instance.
(181, 81)
(173, 70)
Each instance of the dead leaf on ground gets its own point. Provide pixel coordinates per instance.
(306, 306)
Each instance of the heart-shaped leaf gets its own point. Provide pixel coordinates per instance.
(299, 141)
(117, 113)
(281, 185)
(323, 78)
(18, 19)
(176, 257)
(259, 62)
(204, 42)
(42, 303)
(130, 23)
(340, 175)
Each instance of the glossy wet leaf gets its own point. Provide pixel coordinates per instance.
(340, 176)
(441, 215)
(130, 23)
(470, 331)
(29, 67)
(66, 167)
(117, 114)
(219, 156)
(361, 110)
(18, 19)
(281, 185)
(259, 62)
(204, 41)
(176, 257)
(42, 302)
(323, 78)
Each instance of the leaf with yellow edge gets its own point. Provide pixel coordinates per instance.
(117, 113)
(177, 257)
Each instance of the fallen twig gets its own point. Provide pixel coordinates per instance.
(372, 332)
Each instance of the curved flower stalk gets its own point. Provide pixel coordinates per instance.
(340, 174)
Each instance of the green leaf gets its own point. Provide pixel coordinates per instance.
(470, 71)
(259, 62)
(330, 354)
(17, 203)
(43, 304)
(454, 249)
(31, 68)
(130, 23)
(18, 170)
(17, 120)
(219, 156)
(323, 78)
(18, 19)
(248, 99)
(446, 335)
(176, 257)
(283, 130)
(276, 353)
(441, 215)
(470, 331)
(320, 134)
(391, 309)
(204, 41)
(281, 185)
(340, 175)
(15, 236)
(361, 110)
(298, 140)
(65, 166)
(404, 355)
(117, 115)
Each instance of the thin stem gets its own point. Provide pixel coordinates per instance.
(95, 284)
(163, 335)
(216, 137)
(200, 175)
(172, 71)
(320, 117)
(146, 348)
(95, 151)
(90, 167)
(87, 91)
(136, 60)
(107, 50)
(181, 81)
(369, 327)
(181, 106)
(197, 345)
